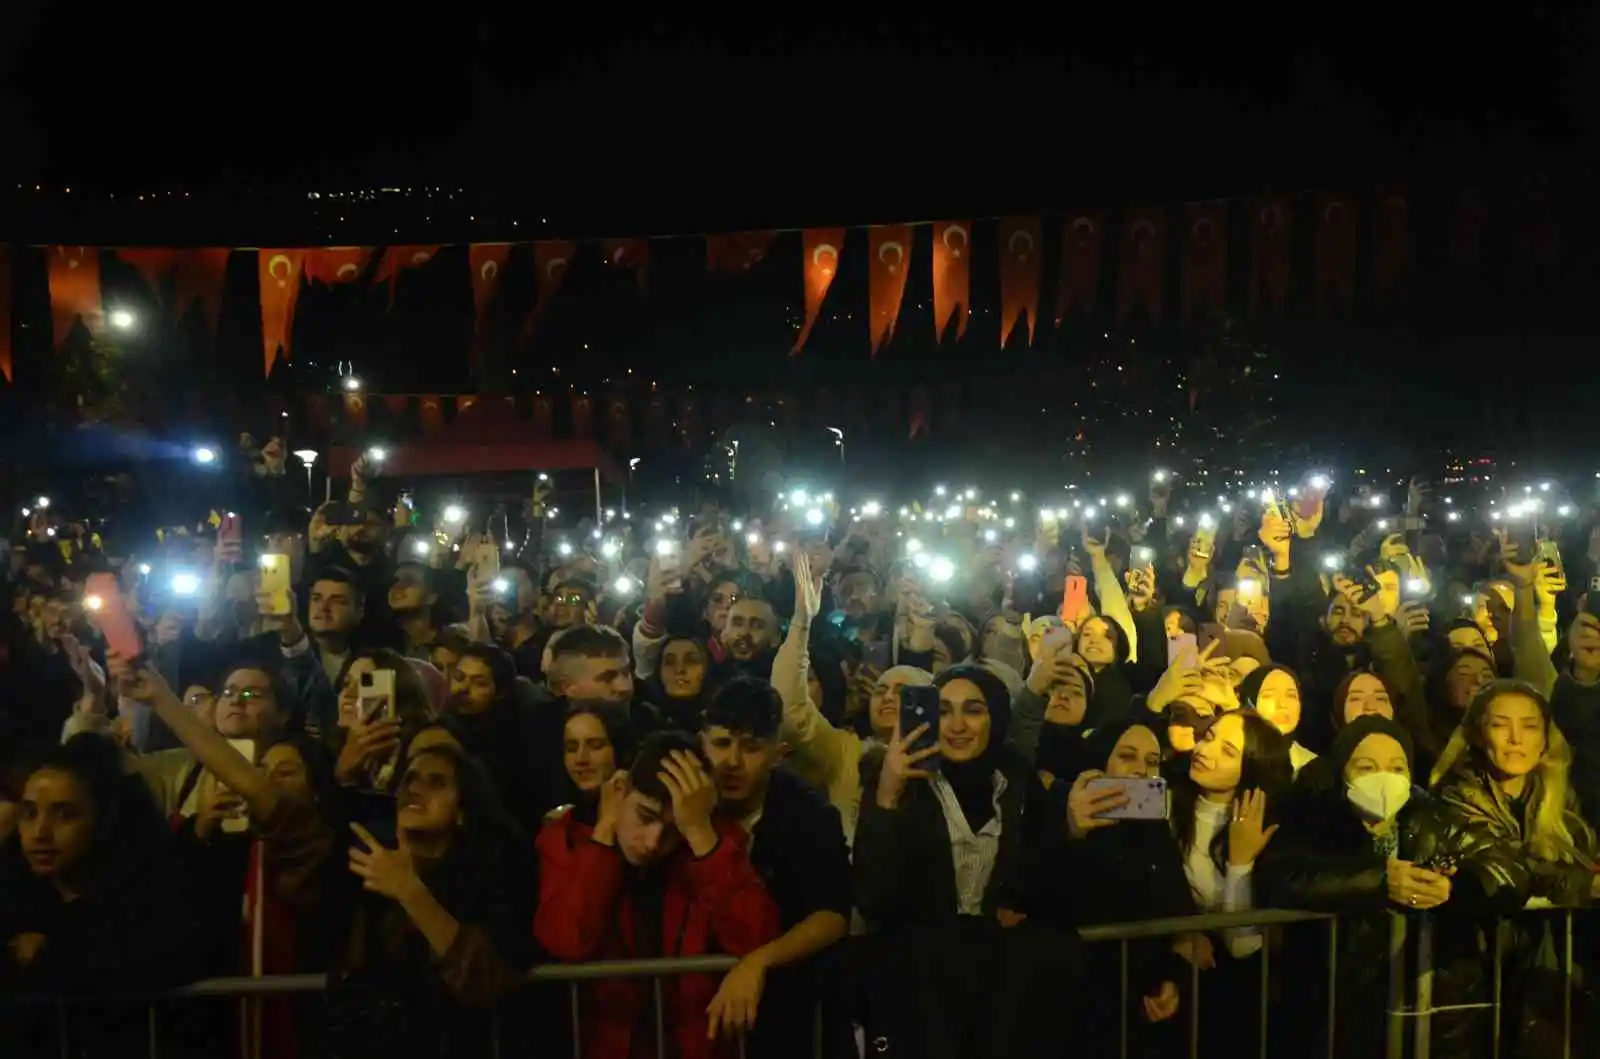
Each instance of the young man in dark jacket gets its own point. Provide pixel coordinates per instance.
(798, 849)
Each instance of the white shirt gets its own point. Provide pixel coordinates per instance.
(1216, 890)
(973, 854)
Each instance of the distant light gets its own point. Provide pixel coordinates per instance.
(204, 455)
(123, 319)
(185, 584)
(799, 497)
(1027, 563)
(939, 490)
(306, 456)
(990, 536)
(609, 549)
(455, 513)
(1122, 500)
(1564, 510)
(972, 494)
(814, 516)
(421, 548)
(543, 477)
(1454, 516)
(736, 526)
(623, 586)
(941, 570)
(871, 509)
(377, 454)
(1015, 496)
(144, 569)
(913, 545)
(563, 549)
(42, 502)
(351, 383)
(1416, 586)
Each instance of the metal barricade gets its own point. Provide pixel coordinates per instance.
(1400, 1014)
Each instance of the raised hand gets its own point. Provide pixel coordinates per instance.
(1247, 835)
(1085, 807)
(900, 765)
(385, 871)
(807, 591)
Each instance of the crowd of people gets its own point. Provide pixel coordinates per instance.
(890, 764)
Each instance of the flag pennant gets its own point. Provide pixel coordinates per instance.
(889, 253)
(1021, 255)
(952, 276)
(821, 249)
(74, 278)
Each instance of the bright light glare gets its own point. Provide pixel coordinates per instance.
(1122, 500)
(938, 490)
(122, 319)
(623, 586)
(913, 545)
(144, 569)
(752, 538)
(871, 509)
(1332, 562)
(1027, 563)
(1319, 481)
(990, 536)
(1416, 586)
(377, 454)
(798, 497)
(205, 455)
(941, 570)
(666, 547)
(352, 383)
(953, 511)
(921, 560)
(93, 602)
(814, 516)
(500, 585)
(455, 513)
(185, 584)
(563, 549)
(420, 548)
(609, 549)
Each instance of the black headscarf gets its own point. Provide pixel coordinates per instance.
(1061, 746)
(973, 781)
(1350, 736)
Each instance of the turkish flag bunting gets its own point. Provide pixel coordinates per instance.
(397, 403)
(1205, 259)
(317, 411)
(154, 265)
(550, 260)
(1336, 250)
(619, 422)
(5, 312)
(1269, 255)
(202, 273)
(543, 416)
(487, 263)
(74, 274)
(952, 276)
(396, 259)
(629, 253)
(737, 251)
(889, 249)
(820, 251)
(430, 412)
(1394, 249)
(1021, 254)
(355, 409)
(280, 289)
(337, 264)
(463, 403)
(1139, 276)
(1082, 238)
(582, 415)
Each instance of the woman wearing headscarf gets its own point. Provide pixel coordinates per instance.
(939, 856)
(1359, 694)
(677, 686)
(1117, 871)
(1375, 843)
(1273, 691)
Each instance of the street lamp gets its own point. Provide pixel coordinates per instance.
(307, 457)
(123, 319)
(351, 383)
(838, 439)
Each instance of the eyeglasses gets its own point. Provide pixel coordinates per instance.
(199, 698)
(245, 694)
(730, 598)
(570, 600)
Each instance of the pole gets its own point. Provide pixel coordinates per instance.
(599, 512)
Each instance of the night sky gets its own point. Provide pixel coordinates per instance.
(585, 120)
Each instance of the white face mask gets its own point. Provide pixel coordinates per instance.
(1379, 795)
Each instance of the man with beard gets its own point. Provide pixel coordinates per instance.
(495, 725)
(749, 639)
(797, 847)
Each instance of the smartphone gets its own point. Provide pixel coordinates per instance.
(919, 705)
(375, 695)
(1522, 534)
(1591, 600)
(103, 600)
(1075, 599)
(1187, 641)
(669, 556)
(342, 514)
(240, 820)
(1147, 796)
(486, 560)
(230, 528)
(876, 655)
(275, 583)
(1057, 638)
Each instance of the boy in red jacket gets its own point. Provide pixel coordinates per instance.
(654, 877)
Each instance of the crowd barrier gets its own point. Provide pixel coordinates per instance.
(1415, 1014)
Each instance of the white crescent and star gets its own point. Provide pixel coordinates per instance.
(346, 271)
(816, 258)
(899, 255)
(1027, 239)
(554, 264)
(955, 229)
(272, 268)
(488, 270)
(1084, 230)
(1143, 233)
(421, 257)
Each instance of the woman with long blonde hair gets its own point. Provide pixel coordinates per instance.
(1507, 769)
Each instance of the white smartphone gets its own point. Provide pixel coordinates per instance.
(375, 695)
(275, 583)
(239, 821)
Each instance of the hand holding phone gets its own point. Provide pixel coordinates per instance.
(104, 604)
(375, 695)
(1144, 798)
(1075, 599)
(275, 585)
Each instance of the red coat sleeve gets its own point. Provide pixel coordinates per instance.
(742, 914)
(579, 883)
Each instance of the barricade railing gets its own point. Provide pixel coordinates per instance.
(1400, 1014)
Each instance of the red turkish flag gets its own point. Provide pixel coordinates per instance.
(355, 409)
(1337, 232)
(1082, 240)
(154, 265)
(1394, 248)
(74, 274)
(889, 253)
(952, 276)
(1021, 254)
(5, 312)
(397, 403)
(820, 252)
(582, 416)
(201, 276)
(543, 416)
(737, 251)
(396, 259)
(619, 422)
(430, 412)
(487, 263)
(1269, 255)
(550, 260)
(1139, 276)
(334, 265)
(1205, 259)
(280, 289)
(629, 253)
(317, 411)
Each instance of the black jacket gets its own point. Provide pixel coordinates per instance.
(904, 869)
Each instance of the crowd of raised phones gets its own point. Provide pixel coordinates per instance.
(893, 790)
